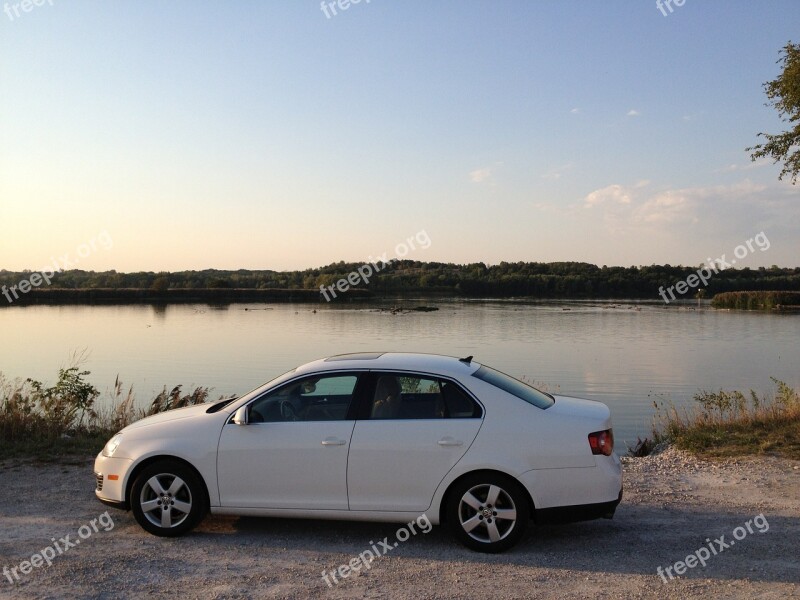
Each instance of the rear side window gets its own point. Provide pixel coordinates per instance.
(400, 396)
(514, 387)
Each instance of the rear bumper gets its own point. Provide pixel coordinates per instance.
(585, 486)
(580, 512)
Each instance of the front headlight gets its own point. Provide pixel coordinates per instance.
(112, 445)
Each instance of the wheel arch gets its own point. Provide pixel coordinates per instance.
(448, 492)
(166, 458)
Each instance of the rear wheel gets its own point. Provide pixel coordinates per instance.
(168, 499)
(488, 512)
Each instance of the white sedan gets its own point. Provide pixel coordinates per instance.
(373, 437)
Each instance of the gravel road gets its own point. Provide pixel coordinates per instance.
(674, 506)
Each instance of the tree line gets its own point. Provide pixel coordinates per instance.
(507, 279)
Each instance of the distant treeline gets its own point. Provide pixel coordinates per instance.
(530, 279)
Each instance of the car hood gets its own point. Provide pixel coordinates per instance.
(170, 415)
(579, 407)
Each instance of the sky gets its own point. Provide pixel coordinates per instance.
(289, 134)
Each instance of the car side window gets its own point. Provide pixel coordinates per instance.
(457, 404)
(317, 398)
(399, 396)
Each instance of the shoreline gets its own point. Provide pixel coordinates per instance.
(218, 296)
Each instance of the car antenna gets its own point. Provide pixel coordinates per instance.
(466, 360)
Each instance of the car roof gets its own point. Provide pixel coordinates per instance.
(399, 361)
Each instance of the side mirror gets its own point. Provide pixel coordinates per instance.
(240, 416)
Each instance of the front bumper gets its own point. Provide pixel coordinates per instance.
(111, 477)
(115, 503)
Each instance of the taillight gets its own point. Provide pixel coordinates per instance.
(602, 442)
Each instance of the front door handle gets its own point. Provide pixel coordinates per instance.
(331, 441)
(448, 441)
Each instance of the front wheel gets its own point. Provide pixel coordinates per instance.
(488, 512)
(168, 499)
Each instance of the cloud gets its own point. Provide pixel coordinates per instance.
(757, 164)
(743, 205)
(575, 111)
(557, 172)
(546, 207)
(670, 206)
(484, 174)
(612, 194)
(480, 175)
(634, 113)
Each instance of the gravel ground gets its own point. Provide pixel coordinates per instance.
(672, 504)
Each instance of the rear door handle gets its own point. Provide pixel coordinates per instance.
(331, 441)
(448, 441)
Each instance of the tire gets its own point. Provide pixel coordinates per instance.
(168, 499)
(488, 512)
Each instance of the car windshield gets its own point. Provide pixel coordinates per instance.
(515, 387)
(253, 393)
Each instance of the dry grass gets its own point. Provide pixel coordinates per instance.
(726, 423)
(48, 423)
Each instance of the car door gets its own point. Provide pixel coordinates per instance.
(292, 453)
(414, 429)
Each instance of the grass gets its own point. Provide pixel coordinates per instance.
(51, 423)
(731, 423)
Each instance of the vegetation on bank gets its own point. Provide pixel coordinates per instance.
(731, 423)
(768, 300)
(47, 423)
(530, 279)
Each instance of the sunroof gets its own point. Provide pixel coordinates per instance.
(355, 356)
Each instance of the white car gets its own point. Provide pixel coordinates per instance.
(373, 437)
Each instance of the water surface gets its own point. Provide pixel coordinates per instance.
(622, 354)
